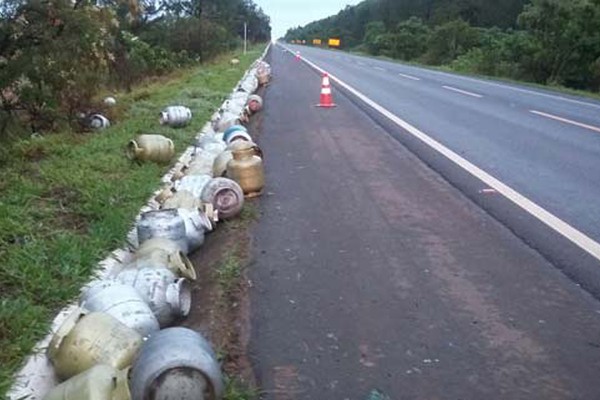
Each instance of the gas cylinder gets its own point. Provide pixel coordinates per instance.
(177, 363)
(193, 183)
(101, 382)
(175, 116)
(87, 339)
(247, 170)
(155, 148)
(168, 297)
(238, 135)
(122, 302)
(254, 103)
(227, 120)
(244, 145)
(164, 223)
(201, 164)
(220, 164)
(182, 199)
(163, 253)
(225, 195)
(99, 121)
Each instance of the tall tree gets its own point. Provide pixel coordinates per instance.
(567, 34)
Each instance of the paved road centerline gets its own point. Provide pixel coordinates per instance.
(462, 91)
(379, 69)
(566, 121)
(516, 89)
(569, 232)
(414, 78)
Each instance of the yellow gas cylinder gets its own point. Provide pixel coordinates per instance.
(100, 382)
(246, 168)
(87, 339)
(155, 148)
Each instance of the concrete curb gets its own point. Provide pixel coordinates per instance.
(37, 376)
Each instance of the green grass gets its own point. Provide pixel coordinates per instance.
(67, 200)
(248, 215)
(235, 390)
(228, 272)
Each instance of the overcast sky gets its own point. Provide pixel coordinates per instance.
(287, 14)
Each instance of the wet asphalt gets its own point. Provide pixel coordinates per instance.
(371, 271)
(555, 164)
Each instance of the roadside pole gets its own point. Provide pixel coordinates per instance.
(245, 37)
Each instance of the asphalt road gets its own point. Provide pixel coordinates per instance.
(543, 144)
(372, 271)
(555, 163)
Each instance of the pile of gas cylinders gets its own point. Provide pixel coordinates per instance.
(122, 341)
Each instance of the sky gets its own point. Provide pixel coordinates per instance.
(287, 14)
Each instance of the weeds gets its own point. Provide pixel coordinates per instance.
(229, 272)
(248, 215)
(235, 390)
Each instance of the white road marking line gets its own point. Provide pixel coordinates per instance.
(414, 78)
(380, 69)
(516, 89)
(574, 235)
(488, 191)
(566, 121)
(462, 91)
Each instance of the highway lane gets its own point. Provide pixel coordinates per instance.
(544, 145)
(371, 271)
(579, 106)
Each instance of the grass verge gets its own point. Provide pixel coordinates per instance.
(67, 200)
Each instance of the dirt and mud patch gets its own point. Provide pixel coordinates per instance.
(220, 295)
(221, 307)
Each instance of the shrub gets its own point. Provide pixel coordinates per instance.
(56, 59)
(498, 53)
(372, 40)
(450, 40)
(411, 39)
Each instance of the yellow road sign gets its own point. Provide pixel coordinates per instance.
(334, 42)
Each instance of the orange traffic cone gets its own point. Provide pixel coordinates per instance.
(298, 58)
(326, 96)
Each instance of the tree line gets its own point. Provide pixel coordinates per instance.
(56, 55)
(554, 42)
